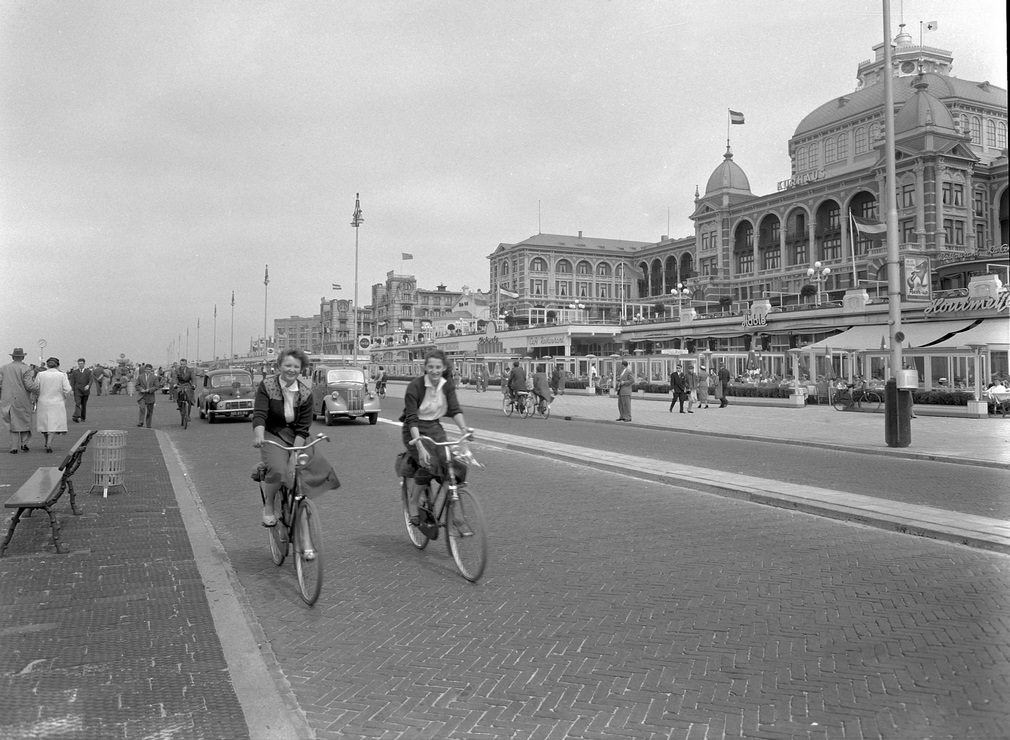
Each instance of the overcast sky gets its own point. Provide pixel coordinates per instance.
(154, 156)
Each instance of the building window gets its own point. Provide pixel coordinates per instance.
(813, 160)
(603, 269)
(800, 253)
(538, 287)
(1001, 135)
(775, 230)
(953, 194)
(907, 228)
(832, 219)
(831, 249)
(801, 159)
(707, 266)
(861, 142)
(976, 130)
(603, 290)
(582, 290)
(830, 150)
(744, 262)
(538, 264)
(908, 196)
(979, 206)
(771, 259)
(875, 134)
(979, 235)
(990, 133)
(954, 230)
(584, 268)
(563, 288)
(843, 147)
(563, 267)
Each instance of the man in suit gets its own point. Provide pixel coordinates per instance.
(147, 385)
(723, 385)
(81, 379)
(678, 388)
(624, 382)
(516, 380)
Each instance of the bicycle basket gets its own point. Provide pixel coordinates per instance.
(405, 465)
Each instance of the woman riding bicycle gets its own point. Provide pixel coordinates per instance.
(427, 399)
(282, 414)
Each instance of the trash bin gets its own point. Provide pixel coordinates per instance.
(109, 461)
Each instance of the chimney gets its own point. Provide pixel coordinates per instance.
(580, 233)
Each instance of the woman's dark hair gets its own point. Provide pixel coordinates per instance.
(297, 354)
(435, 354)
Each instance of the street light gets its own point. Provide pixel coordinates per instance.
(819, 275)
(681, 293)
(580, 307)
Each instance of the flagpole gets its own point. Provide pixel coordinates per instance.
(231, 355)
(214, 353)
(266, 282)
(356, 221)
(852, 251)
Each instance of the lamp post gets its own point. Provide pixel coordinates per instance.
(580, 307)
(682, 293)
(231, 352)
(266, 282)
(356, 220)
(214, 353)
(819, 275)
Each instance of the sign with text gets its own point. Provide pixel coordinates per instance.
(916, 277)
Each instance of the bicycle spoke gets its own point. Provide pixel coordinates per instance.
(310, 572)
(467, 535)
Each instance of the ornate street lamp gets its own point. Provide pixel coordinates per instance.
(819, 275)
(580, 307)
(681, 293)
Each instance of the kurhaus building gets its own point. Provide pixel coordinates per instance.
(806, 264)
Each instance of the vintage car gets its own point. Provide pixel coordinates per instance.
(342, 392)
(226, 393)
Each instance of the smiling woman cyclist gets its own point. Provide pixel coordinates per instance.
(427, 399)
(283, 414)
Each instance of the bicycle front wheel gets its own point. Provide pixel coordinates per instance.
(467, 534)
(417, 538)
(310, 572)
(841, 400)
(507, 406)
(871, 401)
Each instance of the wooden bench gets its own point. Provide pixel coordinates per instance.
(44, 489)
(1000, 402)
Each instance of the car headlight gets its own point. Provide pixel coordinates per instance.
(335, 396)
(214, 399)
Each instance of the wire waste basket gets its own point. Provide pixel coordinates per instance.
(109, 461)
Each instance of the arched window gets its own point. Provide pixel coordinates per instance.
(583, 268)
(990, 133)
(1001, 135)
(603, 269)
(874, 133)
(801, 159)
(538, 264)
(861, 143)
(830, 150)
(843, 147)
(813, 160)
(505, 267)
(976, 130)
(563, 267)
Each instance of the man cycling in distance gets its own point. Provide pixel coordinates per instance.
(182, 378)
(380, 381)
(541, 386)
(516, 381)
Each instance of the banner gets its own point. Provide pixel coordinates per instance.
(916, 278)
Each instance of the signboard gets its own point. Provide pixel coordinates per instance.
(916, 277)
(364, 342)
(753, 320)
(547, 339)
(964, 304)
(802, 179)
(673, 351)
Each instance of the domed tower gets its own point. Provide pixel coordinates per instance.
(727, 187)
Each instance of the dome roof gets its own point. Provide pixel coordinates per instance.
(922, 109)
(869, 98)
(728, 176)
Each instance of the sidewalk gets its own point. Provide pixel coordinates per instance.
(121, 636)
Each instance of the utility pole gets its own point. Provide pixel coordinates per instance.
(356, 220)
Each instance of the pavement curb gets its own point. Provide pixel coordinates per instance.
(950, 533)
(269, 704)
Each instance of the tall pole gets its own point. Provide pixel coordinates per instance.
(266, 282)
(187, 341)
(893, 274)
(356, 221)
(198, 340)
(231, 353)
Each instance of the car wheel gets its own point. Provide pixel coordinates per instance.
(328, 418)
(373, 418)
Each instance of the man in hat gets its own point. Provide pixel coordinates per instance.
(147, 385)
(17, 385)
(81, 379)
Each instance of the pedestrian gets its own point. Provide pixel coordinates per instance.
(678, 388)
(17, 388)
(593, 379)
(81, 379)
(690, 383)
(541, 386)
(624, 383)
(702, 387)
(555, 379)
(54, 389)
(723, 385)
(147, 386)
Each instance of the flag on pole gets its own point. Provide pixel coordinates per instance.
(736, 117)
(266, 274)
(507, 293)
(233, 298)
(336, 286)
(406, 256)
(629, 269)
(866, 226)
(356, 218)
(932, 26)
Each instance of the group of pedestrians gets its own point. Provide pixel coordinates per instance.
(695, 387)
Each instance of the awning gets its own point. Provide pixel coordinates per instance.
(876, 336)
(992, 333)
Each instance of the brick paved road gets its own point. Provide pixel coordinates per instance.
(616, 608)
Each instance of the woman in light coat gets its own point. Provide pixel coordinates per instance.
(54, 388)
(702, 387)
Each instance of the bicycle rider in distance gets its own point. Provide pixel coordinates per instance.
(380, 380)
(183, 377)
(427, 399)
(516, 381)
(282, 414)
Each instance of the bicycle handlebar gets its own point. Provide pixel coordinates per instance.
(319, 438)
(451, 442)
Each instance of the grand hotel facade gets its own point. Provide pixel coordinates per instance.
(766, 274)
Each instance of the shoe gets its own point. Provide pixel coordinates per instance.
(415, 520)
(24, 448)
(682, 411)
(49, 449)
(269, 520)
(308, 554)
(140, 425)
(14, 451)
(690, 412)
(618, 419)
(462, 528)
(75, 420)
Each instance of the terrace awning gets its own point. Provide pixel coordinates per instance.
(992, 333)
(876, 336)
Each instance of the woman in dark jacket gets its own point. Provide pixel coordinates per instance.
(427, 399)
(282, 414)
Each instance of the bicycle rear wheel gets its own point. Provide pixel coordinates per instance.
(529, 407)
(417, 538)
(871, 401)
(467, 534)
(310, 572)
(544, 408)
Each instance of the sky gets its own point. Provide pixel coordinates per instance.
(156, 156)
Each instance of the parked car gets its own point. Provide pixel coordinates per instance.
(226, 393)
(342, 392)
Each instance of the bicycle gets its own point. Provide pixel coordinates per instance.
(380, 389)
(540, 406)
(519, 402)
(293, 508)
(845, 398)
(451, 507)
(480, 385)
(185, 405)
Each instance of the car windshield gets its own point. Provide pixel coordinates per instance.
(344, 376)
(229, 379)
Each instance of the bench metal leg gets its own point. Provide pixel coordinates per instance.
(73, 498)
(54, 523)
(10, 531)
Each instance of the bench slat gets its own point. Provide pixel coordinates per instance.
(37, 489)
(80, 446)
